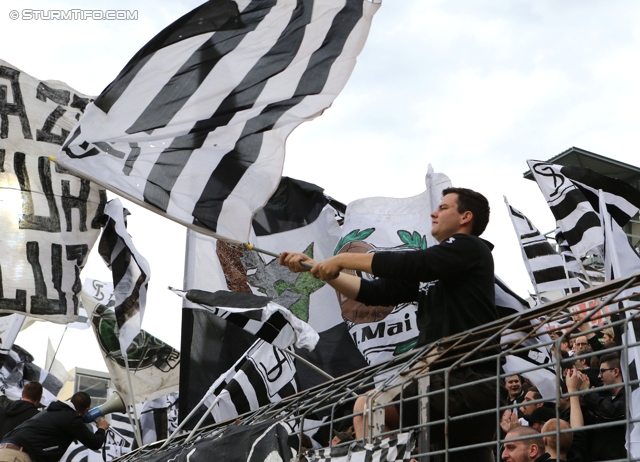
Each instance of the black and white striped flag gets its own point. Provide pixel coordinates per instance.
(264, 374)
(572, 195)
(130, 273)
(194, 126)
(257, 315)
(394, 449)
(533, 354)
(621, 260)
(545, 266)
(17, 368)
(573, 265)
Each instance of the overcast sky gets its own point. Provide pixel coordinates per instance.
(474, 88)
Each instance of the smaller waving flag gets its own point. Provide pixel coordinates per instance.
(256, 315)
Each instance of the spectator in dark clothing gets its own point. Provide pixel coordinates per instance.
(454, 285)
(582, 364)
(608, 406)
(46, 437)
(539, 417)
(16, 412)
(532, 395)
(514, 387)
(608, 335)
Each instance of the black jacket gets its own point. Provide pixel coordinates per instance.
(47, 436)
(14, 413)
(453, 282)
(607, 443)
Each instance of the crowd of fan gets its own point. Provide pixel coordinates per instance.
(592, 393)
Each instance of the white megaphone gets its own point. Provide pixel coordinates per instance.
(113, 404)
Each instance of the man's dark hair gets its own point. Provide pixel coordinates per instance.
(536, 393)
(474, 202)
(612, 360)
(32, 391)
(81, 401)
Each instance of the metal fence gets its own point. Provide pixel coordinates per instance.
(522, 335)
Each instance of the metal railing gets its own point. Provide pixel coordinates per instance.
(521, 335)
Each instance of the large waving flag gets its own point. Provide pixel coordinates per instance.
(194, 126)
(387, 224)
(48, 215)
(572, 195)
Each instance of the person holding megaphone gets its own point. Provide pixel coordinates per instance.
(46, 436)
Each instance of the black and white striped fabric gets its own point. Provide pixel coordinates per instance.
(574, 268)
(130, 273)
(395, 449)
(508, 303)
(621, 260)
(572, 195)
(10, 325)
(194, 126)
(545, 266)
(17, 368)
(257, 315)
(265, 374)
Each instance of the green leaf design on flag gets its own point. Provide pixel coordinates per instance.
(415, 240)
(305, 285)
(353, 236)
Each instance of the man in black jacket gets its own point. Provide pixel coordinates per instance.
(46, 437)
(16, 412)
(453, 283)
(608, 406)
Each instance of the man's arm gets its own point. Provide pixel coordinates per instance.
(82, 433)
(574, 382)
(330, 269)
(385, 292)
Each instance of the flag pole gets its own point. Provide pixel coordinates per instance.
(273, 254)
(55, 353)
(305, 362)
(209, 392)
(584, 271)
(136, 428)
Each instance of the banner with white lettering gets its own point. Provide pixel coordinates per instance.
(47, 215)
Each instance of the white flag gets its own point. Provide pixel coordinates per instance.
(384, 224)
(54, 366)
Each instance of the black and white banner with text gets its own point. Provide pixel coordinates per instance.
(47, 215)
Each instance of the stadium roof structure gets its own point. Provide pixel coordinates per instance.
(520, 335)
(581, 158)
